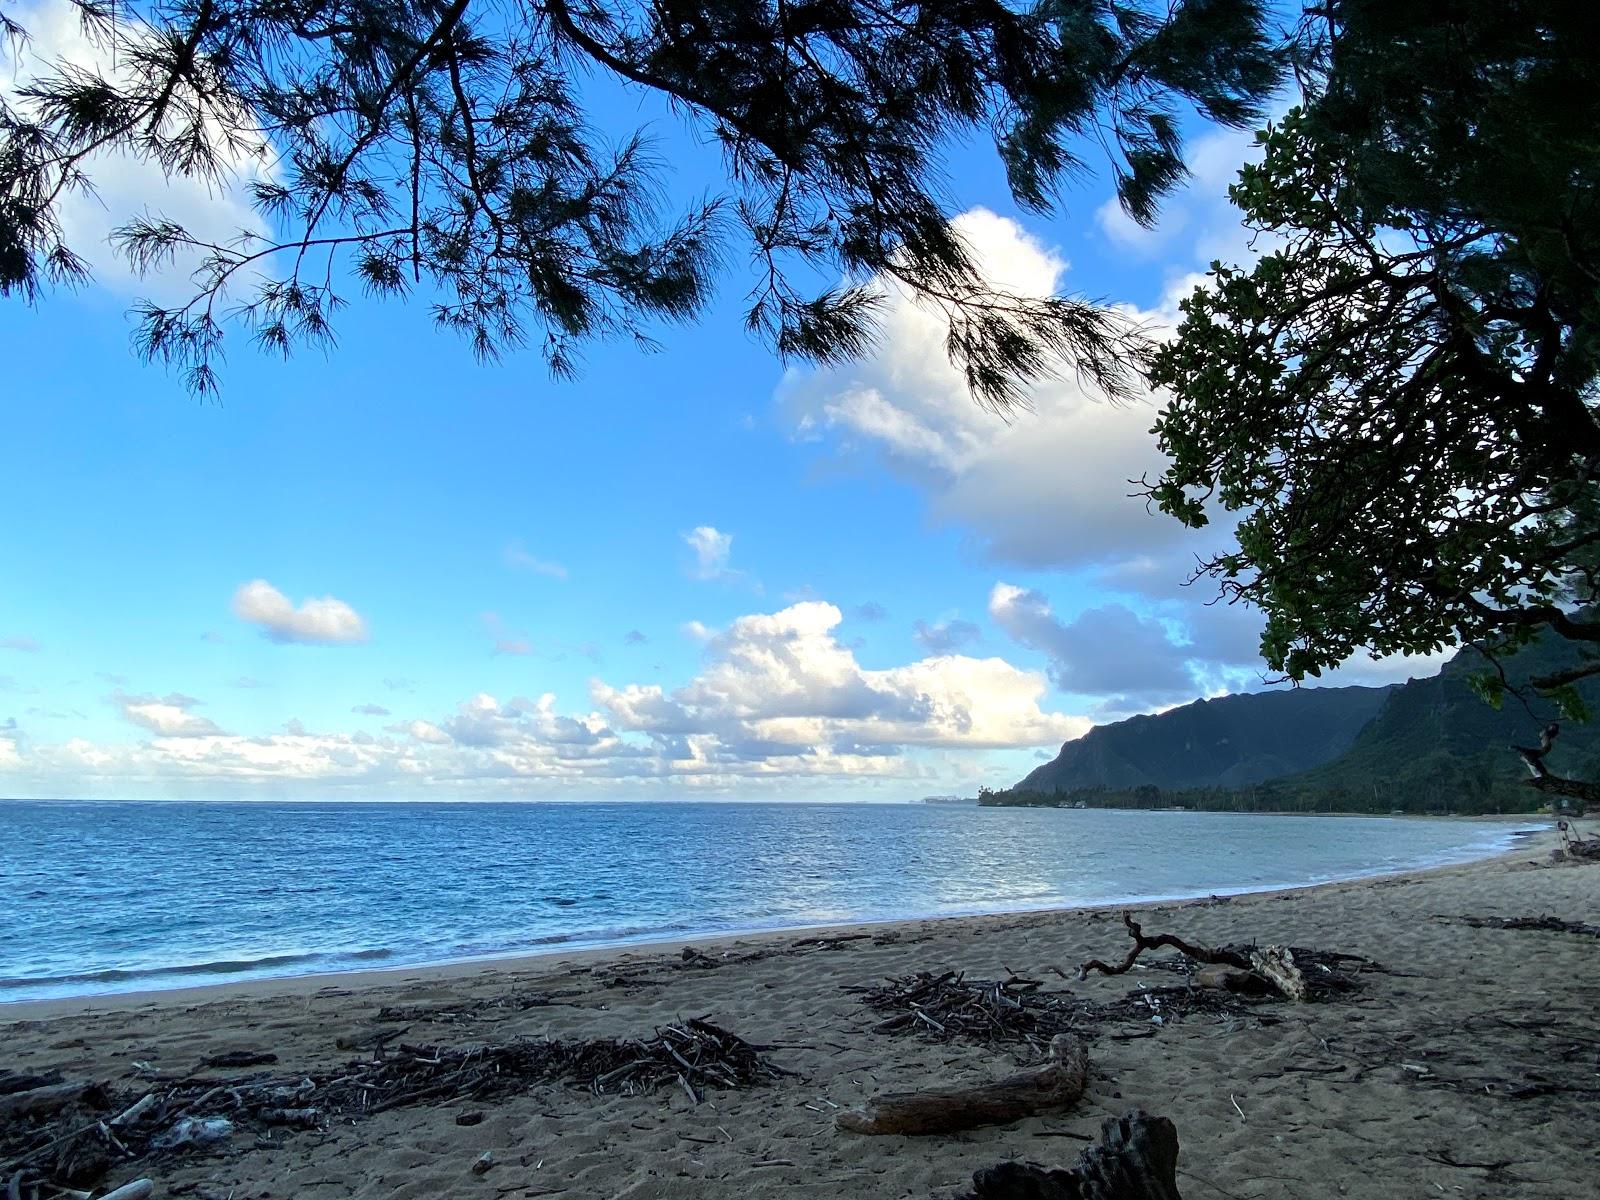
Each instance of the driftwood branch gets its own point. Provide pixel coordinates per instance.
(1059, 1083)
(1137, 1159)
(1143, 941)
(1275, 964)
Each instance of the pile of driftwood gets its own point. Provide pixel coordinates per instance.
(1220, 981)
(951, 1007)
(68, 1135)
(1292, 972)
(1575, 847)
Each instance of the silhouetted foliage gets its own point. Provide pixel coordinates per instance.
(1399, 397)
(444, 147)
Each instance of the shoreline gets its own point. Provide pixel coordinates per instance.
(625, 950)
(1458, 1065)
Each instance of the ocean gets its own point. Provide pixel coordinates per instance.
(101, 896)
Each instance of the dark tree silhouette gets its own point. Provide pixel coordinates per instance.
(1400, 397)
(443, 147)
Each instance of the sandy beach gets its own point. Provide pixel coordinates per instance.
(1469, 1067)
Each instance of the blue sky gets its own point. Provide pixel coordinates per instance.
(686, 573)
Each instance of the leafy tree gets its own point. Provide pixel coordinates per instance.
(444, 147)
(1398, 400)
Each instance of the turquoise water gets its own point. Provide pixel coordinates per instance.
(107, 897)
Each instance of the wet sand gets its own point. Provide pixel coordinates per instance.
(1471, 1068)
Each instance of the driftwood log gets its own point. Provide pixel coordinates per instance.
(42, 1100)
(1059, 1083)
(1276, 965)
(1137, 1159)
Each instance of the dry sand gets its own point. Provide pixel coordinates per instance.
(1405, 1091)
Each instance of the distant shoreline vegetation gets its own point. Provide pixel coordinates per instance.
(1268, 798)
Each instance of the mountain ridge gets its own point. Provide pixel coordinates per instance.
(1431, 744)
(1225, 741)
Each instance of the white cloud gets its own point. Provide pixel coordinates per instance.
(322, 620)
(517, 556)
(712, 549)
(168, 716)
(1052, 488)
(125, 187)
(1048, 488)
(778, 702)
(780, 685)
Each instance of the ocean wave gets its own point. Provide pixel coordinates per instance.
(221, 966)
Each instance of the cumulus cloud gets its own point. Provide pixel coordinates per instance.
(1048, 488)
(165, 716)
(322, 620)
(1051, 488)
(518, 557)
(423, 731)
(777, 701)
(21, 643)
(780, 685)
(712, 549)
(1131, 661)
(944, 636)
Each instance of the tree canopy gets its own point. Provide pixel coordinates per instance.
(1397, 401)
(444, 148)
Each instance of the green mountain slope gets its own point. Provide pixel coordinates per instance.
(1231, 741)
(1436, 742)
(1429, 745)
